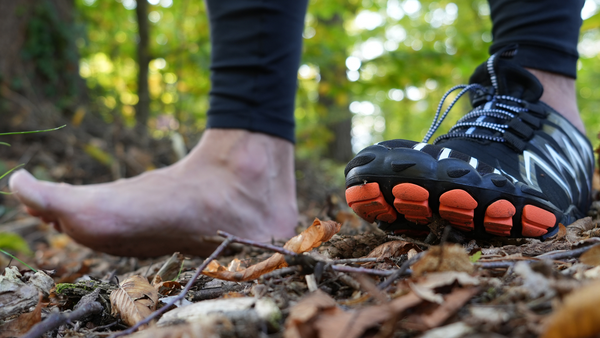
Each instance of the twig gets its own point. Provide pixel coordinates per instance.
(403, 269)
(496, 265)
(283, 251)
(343, 268)
(57, 319)
(554, 256)
(181, 295)
(236, 239)
(354, 260)
(212, 293)
(408, 239)
(348, 280)
(280, 272)
(105, 326)
(369, 287)
(566, 254)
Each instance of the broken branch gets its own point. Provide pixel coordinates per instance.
(181, 295)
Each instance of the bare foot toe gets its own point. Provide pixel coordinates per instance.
(233, 180)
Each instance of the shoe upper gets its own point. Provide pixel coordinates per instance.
(512, 166)
(526, 140)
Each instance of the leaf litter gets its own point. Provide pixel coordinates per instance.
(501, 287)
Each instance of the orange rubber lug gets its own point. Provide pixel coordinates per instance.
(367, 202)
(536, 221)
(458, 208)
(413, 202)
(498, 218)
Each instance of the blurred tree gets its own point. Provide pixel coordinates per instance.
(39, 64)
(142, 108)
(371, 69)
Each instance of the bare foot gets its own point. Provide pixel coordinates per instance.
(233, 180)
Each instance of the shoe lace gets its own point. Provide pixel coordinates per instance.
(494, 107)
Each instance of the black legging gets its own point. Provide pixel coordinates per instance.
(256, 47)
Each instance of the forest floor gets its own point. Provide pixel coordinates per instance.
(341, 278)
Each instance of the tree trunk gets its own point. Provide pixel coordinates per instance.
(143, 105)
(340, 148)
(338, 117)
(39, 72)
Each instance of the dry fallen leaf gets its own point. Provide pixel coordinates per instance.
(167, 288)
(591, 257)
(448, 257)
(317, 233)
(575, 229)
(23, 323)
(134, 300)
(426, 293)
(578, 316)
(211, 327)
(392, 249)
(170, 269)
(301, 321)
(438, 314)
(435, 280)
(319, 316)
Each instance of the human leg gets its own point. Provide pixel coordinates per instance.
(547, 33)
(513, 166)
(240, 176)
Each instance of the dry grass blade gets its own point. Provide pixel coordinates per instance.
(317, 233)
(134, 300)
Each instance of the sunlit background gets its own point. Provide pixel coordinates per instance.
(371, 69)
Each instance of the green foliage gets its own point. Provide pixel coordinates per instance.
(179, 76)
(429, 48)
(18, 260)
(475, 257)
(13, 242)
(49, 48)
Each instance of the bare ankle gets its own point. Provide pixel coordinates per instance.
(560, 94)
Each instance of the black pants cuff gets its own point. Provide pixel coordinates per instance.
(253, 121)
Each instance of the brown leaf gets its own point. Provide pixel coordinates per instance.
(134, 300)
(578, 316)
(448, 257)
(392, 249)
(319, 316)
(437, 314)
(591, 257)
(435, 280)
(23, 323)
(300, 322)
(167, 288)
(206, 328)
(235, 265)
(562, 232)
(575, 229)
(170, 269)
(317, 233)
